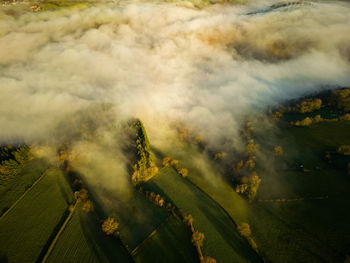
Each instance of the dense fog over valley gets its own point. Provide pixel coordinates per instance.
(162, 62)
(174, 131)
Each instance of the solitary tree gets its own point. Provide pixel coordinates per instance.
(110, 226)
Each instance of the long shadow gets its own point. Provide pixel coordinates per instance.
(112, 248)
(229, 233)
(221, 226)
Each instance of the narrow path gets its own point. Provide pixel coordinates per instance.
(21, 197)
(54, 241)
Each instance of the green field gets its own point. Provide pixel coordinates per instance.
(26, 231)
(170, 243)
(83, 241)
(310, 230)
(12, 190)
(137, 216)
(316, 228)
(222, 240)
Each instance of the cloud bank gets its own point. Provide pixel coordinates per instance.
(163, 62)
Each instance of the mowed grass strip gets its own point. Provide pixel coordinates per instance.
(171, 243)
(83, 241)
(31, 172)
(222, 240)
(25, 232)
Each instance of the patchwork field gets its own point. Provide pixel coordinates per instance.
(145, 215)
(83, 241)
(26, 231)
(12, 190)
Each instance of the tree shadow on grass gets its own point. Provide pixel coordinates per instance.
(106, 248)
(227, 230)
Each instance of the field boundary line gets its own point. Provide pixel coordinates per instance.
(28, 190)
(54, 241)
(149, 236)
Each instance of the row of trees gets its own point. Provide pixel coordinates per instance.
(197, 238)
(167, 162)
(144, 167)
(246, 169)
(312, 120)
(308, 105)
